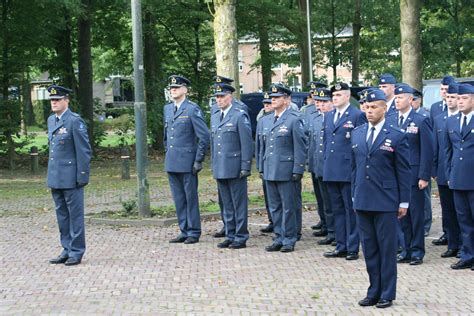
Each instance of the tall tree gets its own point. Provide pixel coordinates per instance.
(412, 71)
(356, 27)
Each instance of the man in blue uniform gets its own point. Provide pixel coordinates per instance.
(231, 152)
(387, 85)
(260, 138)
(436, 109)
(459, 171)
(448, 209)
(236, 103)
(68, 173)
(420, 139)
(283, 165)
(186, 141)
(381, 191)
(338, 127)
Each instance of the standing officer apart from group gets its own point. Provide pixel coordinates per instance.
(338, 127)
(283, 165)
(420, 139)
(186, 141)
(231, 152)
(459, 136)
(68, 173)
(381, 191)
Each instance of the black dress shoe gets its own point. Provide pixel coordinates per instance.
(72, 261)
(441, 241)
(403, 259)
(317, 226)
(237, 245)
(335, 254)
(287, 248)
(225, 244)
(416, 261)
(320, 233)
(334, 243)
(219, 234)
(462, 265)
(178, 239)
(458, 255)
(326, 241)
(368, 301)
(383, 303)
(274, 247)
(267, 229)
(352, 256)
(191, 240)
(58, 260)
(450, 253)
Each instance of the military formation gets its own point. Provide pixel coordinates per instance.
(371, 169)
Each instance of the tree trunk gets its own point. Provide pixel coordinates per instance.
(303, 45)
(28, 114)
(226, 41)
(85, 68)
(154, 80)
(64, 51)
(356, 27)
(334, 61)
(265, 55)
(412, 71)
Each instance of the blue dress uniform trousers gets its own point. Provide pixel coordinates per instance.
(186, 139)
(448, 210)
(263, 128)
(68, 173)
(460, 173)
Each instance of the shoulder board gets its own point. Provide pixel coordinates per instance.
(75, 114)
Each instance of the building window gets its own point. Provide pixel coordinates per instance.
(241, 88)
(241, 66)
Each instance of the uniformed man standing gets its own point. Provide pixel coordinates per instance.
(68, 173)
(420, 139)
(446, 198)
(283, 165)
(338, 127)
(231, 152)
(381, 191)
(260, 138)
(387, 85)
(459, 171)
(186, 141)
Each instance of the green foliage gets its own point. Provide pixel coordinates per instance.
(99, 134)
(129, 207)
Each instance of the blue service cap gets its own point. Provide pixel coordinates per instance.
(178, 81)
(322, 94)
(222, 79)
(266, 97)
(279, 90)
(465, 88)
(404, 88)
(453, 88)
(387, 79)
(375, 95)
(417, 94)
(313, 85)
(57, 92)
(340, 86)
(447, 80)
(223, 89)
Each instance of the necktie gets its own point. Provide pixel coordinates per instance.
(175, 109)
(400, 123)
(464, 126)
(337, 117)
(445, 108)
(222, 116)
(275, 119)
(371, 138)
(57, 120)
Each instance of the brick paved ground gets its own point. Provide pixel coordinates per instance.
(136, 271)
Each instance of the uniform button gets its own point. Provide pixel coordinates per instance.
(219, 152)
(52, 143)
(218, 144)
(367, 166)
(271, 139)
(51, 158)
(271, 153)
(219, 136)
(460, 158)
(52, 151)
(321, 145)
(462, 140)
(367, 177)
(320, 137)
(171, 146)
(172, 128)
(333, 134)
(171, 137)
(289, 158)
(320, 151)
(332, 150)
(272, 133)
(460, 148)
(332, 142)
(368, 156)
(271, 145)
(70, 162)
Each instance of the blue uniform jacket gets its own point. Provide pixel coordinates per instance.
(69, 151)
(420, 140)
(337, 144)
(186, 137)
(264, 125)
(232, 144)
(381, 176)
(459, 154)
(316, 146)
(285, 147)
(439, 161)
(235, 103)
(436, 109)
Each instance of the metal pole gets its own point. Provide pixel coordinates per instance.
(308, 26)
(140, 112)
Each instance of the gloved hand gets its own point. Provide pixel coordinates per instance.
(197, 167)
(296, 177)
(260, 175)
(81, 184)
(244, 174)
